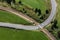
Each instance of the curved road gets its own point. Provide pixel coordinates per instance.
(46, 22)
(52, 14)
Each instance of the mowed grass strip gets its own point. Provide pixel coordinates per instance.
(12, 34)
(12, 18)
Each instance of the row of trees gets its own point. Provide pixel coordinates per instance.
(39, 11)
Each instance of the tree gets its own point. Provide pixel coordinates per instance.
(42, 17)
(36, 10)
(55, 21)
(2, 0)
(54, 25)
(39, 11)
(25, 11)
(47, 11)
(58, 34)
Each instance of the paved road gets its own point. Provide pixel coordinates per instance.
(46, 22)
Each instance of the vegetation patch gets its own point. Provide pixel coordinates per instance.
(39, 10)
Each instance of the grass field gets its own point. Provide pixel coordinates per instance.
(11, 34)
(12, 18)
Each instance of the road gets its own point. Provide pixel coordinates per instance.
(18, 26)
(46, 22)
(52, 14)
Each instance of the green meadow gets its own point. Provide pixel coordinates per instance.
(13, 34)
